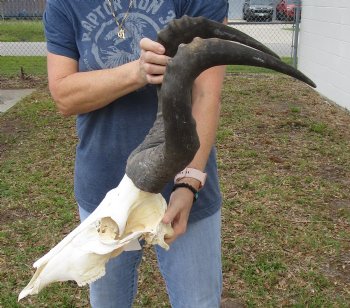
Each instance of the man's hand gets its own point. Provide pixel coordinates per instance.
(78, 92)
(180, 204)
(152, 61)
(178, 211)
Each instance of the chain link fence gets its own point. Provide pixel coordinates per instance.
(23, 49)
(275, 23)
(22, 8)
(22, 41)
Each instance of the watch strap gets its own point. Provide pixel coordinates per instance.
(188, 186)
(192, 173)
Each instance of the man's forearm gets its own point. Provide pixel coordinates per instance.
(206, 111)
(80, 92)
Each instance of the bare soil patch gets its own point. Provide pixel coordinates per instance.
(22, 82)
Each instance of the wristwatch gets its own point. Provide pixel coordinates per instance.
(192, 173)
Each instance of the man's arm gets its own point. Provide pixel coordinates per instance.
(206, 109)
(80, 92)
(206, 102)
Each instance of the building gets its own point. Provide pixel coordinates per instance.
(324, 47)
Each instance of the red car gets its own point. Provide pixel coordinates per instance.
(286, 9)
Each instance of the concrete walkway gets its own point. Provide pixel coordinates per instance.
(9, 98)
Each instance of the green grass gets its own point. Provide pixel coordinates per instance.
(32, 65)
(255, 70)
(33, 31)
(284, 169)
(283, 166)
(12, 65)
(21, 31)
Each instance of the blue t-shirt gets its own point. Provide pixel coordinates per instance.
(85, 30)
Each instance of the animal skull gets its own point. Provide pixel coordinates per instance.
(135, 208)
(125, 215)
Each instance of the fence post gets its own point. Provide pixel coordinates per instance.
(296, 32)
(2, 9)
(274, 17)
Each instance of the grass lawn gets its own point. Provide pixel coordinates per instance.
(284, 164)
(29, 65)
(14, 65)
(253, 69)
(21, 31)
(33, 31)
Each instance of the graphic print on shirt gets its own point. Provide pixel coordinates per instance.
(102, 46)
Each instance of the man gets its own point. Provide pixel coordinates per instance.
(103, 65)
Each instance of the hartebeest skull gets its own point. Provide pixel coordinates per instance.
(135, 208)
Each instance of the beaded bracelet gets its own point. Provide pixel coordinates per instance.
(188, 186)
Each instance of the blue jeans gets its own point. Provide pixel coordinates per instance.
(191, 269)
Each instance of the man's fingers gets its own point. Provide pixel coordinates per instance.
(170, 214)
(152, 61)
(178, 212)
(151, 57)
(179, 228)
(149, 45)
(169, 218)
(154, 79)
(154, 69)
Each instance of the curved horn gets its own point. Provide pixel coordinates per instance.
(173, 141)
(185, 29)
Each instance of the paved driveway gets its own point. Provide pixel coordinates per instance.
(278, 37)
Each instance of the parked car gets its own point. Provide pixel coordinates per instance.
(260, 10)
(286, 9)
